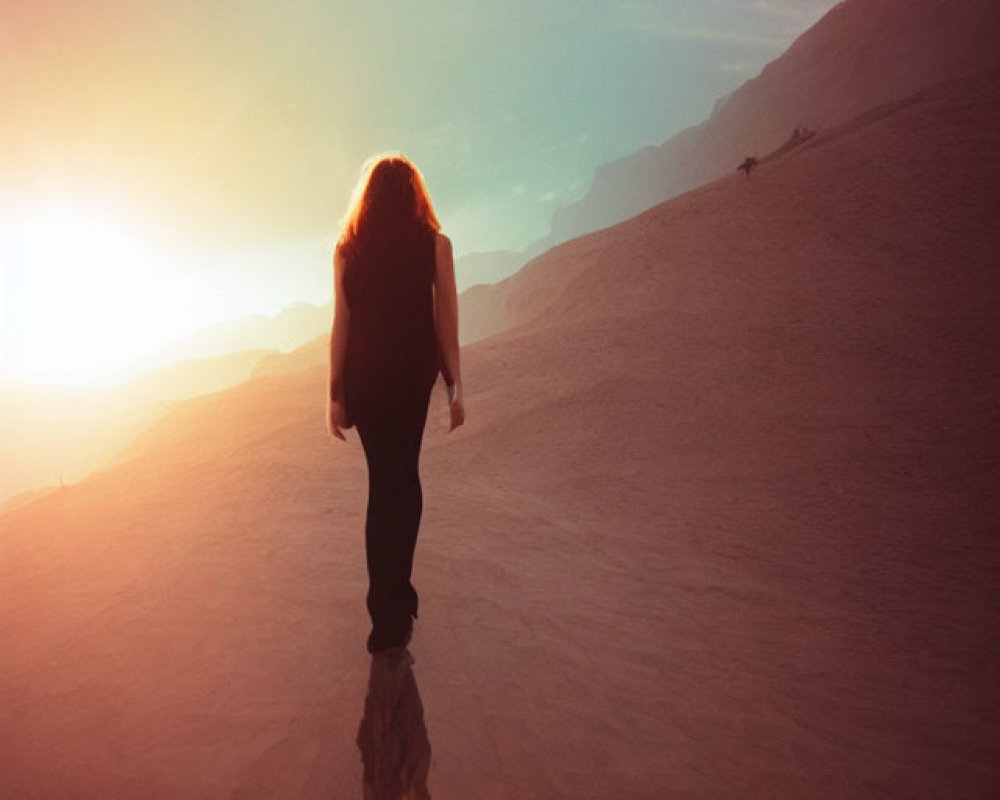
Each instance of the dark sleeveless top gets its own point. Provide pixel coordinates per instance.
(391, 341)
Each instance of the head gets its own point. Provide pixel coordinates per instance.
(390, 194)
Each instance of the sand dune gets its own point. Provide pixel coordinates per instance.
(721, 524)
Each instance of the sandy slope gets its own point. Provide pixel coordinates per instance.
(721, 524)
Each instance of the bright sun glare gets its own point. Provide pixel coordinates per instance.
(84, 294)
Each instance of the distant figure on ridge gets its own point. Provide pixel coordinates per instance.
(395, 326)
(749, 165)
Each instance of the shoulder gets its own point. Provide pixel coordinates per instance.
(444, 262)
(442, 248)
(441, 242)
(339, 256)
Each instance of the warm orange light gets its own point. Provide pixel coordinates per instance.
(84, 292)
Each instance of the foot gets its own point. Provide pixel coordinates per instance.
(379, 640)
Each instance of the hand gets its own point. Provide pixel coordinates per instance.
(457, 414)
(456, 406)
(336, 419)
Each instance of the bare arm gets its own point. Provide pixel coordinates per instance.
(446, 323)
(338, 348)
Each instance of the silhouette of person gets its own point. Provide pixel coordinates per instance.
(395, 326)
(748, 165)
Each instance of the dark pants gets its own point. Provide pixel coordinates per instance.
(390, 424)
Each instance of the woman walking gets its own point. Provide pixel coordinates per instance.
(395, 326)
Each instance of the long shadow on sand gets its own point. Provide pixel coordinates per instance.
(395, 750)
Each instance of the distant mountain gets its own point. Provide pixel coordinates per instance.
(292, 326)
(486, 267)
(303, 356)
(861, 54)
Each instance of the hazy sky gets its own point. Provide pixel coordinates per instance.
(226, 136)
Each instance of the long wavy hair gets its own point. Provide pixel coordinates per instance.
(390, 196)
